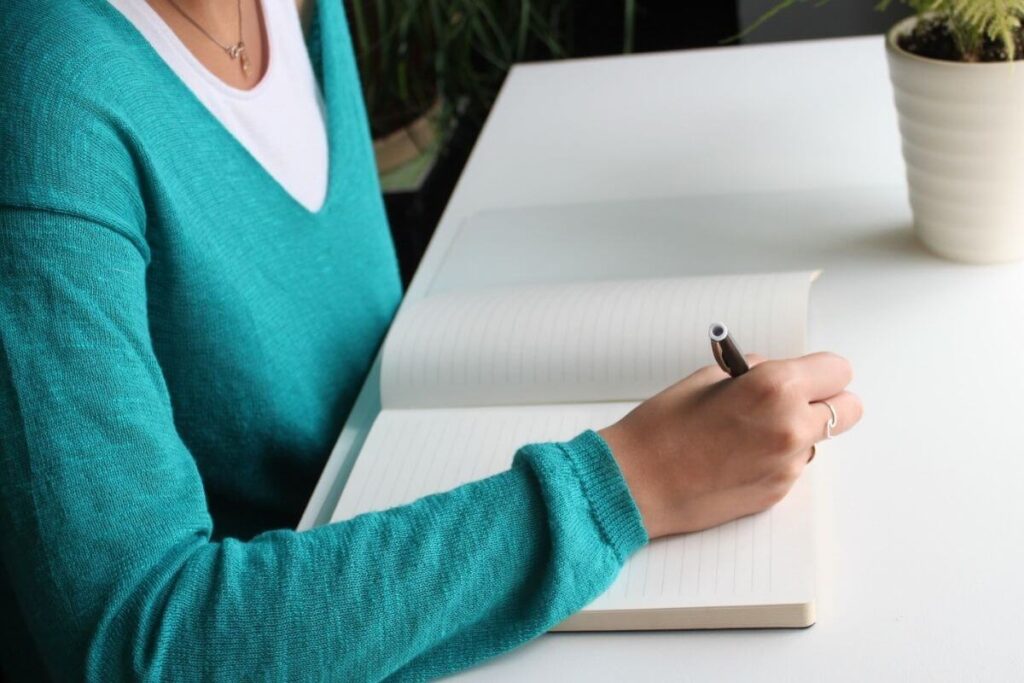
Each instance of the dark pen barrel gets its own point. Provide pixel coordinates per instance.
(733, 357)
(725, 350)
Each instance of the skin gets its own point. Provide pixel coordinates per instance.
(220, 19)
(710, 449)
(700, 453)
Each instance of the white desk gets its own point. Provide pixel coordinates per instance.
(921, 578)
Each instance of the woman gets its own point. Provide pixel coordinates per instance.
(195, 274)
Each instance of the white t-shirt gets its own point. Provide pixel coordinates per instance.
(281, 120)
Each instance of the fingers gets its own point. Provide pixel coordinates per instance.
(709, 374)
(821, 375)
(712, 374)
(849, 410)
(754, 359)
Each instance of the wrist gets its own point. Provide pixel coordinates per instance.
(641, 482)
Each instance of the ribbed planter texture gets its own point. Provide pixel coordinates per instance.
(963, 143)
(405, 144)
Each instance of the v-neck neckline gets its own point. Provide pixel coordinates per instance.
(314, 38)
(194, 63)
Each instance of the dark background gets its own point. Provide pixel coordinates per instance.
(660, 25)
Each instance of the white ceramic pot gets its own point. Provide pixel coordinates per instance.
(963, 143)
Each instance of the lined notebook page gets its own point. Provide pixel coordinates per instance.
(763, 559)
(594, 341)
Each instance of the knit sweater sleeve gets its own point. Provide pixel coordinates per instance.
(106, 539)
(106, 535)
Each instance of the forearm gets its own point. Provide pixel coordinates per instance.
(106, 537)
(416, 591)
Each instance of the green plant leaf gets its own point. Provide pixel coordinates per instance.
(409, 52)
(970, 21)
(994, 19)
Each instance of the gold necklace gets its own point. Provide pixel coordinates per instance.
(236, 51)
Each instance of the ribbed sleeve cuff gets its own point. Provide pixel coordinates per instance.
(605, 489)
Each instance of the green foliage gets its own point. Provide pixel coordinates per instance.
(971, 21)
(974, 20)
(411, 52)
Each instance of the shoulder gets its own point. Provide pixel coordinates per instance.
(48, 46)
(63, 70)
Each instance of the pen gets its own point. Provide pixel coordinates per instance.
(727, 354)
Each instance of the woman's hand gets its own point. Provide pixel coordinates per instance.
(706, 451)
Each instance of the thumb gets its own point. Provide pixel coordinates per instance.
(754, 359)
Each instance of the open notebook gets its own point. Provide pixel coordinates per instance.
(468, 377)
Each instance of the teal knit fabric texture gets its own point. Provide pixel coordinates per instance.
(180, 344)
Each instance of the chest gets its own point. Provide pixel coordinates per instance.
(274, 109)
(265, 315)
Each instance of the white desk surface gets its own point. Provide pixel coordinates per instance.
(921, 577)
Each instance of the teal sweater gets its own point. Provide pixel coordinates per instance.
(180, 343)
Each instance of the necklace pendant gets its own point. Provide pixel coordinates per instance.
(243, 56)
(237, 51)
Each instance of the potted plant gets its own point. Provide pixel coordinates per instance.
(395, 45)
(430, 70)
(426, 63)
(960, 100)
